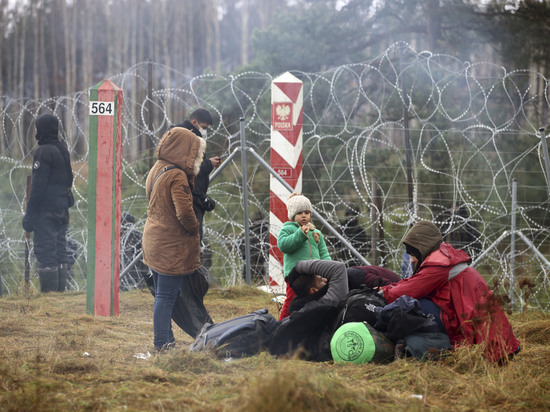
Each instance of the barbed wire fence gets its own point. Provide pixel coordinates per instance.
(473, 130)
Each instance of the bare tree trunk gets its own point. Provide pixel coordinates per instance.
(165, 39)
(141, 143)
(70, 17)
(54, 76)
(36, 46)
(433, 29)
(140, 43)
(109, 36)
(21, 67)
(12, 71)
(244, 34)
(217, 41)
(122, 46)
(145, 143)
(67, 46)
(133, 29)
(3, 23)
(26, 143)
(211, 44)
(190, 43)
(267, 10)
(43, 65)
(10, 59)
(87, 15)
(74, 30)
(11, 75)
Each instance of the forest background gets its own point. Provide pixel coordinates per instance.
(57, 47)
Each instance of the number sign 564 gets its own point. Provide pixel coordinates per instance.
(101, 109)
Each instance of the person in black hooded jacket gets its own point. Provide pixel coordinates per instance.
(199, 122)
(320, 285)
(47, 212)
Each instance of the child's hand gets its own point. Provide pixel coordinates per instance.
(310, 226)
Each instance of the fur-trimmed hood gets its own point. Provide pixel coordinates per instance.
(182, 148)
(171, 241)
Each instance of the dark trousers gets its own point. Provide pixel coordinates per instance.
(183, 299)
(50, 237)
(200, 217)
(430, 308)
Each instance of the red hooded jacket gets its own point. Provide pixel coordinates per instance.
(469, 310)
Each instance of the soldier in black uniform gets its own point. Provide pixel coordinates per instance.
(48, 206)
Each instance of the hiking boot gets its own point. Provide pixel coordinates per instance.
(49, 279)
(62, 279)
(166, 347)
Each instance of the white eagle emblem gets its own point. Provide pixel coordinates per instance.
(283, 111)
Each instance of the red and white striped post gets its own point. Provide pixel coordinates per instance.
(104, 184)
(286, 160)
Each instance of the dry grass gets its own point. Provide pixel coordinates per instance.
(54, 357)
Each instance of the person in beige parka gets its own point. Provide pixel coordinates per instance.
(171, 244)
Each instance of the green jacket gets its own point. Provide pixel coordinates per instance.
(296, 246)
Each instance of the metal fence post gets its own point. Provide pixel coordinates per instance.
(245, 203)
(546, 157)
(513, 240)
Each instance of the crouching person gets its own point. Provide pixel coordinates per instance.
(455, 293)
(320, 285)
(171, 244)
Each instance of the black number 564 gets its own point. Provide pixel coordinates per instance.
(101, 108)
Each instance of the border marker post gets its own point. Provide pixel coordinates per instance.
(104, 196)
(286, 160)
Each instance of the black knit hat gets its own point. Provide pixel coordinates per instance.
(127, 217)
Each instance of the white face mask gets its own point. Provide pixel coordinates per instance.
(203, 132)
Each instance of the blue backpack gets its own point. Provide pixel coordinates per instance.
(238, 337)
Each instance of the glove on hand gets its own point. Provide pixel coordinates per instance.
(27, 223)
(209, 204)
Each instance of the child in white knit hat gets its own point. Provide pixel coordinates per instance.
(299, 240)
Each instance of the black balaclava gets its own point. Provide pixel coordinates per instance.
(47, 128)
(47, 131)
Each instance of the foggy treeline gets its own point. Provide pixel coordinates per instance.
(57, 47)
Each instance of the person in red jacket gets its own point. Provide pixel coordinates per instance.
(469, 311)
